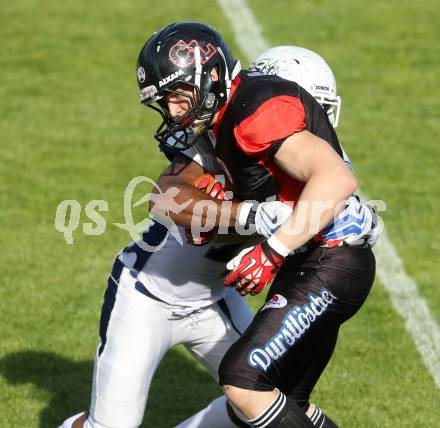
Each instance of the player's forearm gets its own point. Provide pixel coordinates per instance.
(323, 198)
(188, 206)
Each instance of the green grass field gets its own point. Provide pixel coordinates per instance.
(71, 128)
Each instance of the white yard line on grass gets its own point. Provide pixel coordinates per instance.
(402, 289)
(247, 31)
(408, 303)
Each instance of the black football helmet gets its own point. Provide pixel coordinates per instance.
(182, 55)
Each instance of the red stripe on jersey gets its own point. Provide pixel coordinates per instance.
(275, 119)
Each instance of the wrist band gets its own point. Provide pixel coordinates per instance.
(278, 246)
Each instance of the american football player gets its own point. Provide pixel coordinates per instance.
(160, 294)
(311, 72)
(275, 141)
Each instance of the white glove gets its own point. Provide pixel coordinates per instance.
(270, 216)
(265, 217)
(356, 225)
(376, 227)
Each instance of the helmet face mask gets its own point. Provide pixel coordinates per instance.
(172, 125)
(332, 106)
(197, 116)
(181, 56)
(306, 68)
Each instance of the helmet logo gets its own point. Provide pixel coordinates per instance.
(141, 74)
(182, 53)
(265, 66)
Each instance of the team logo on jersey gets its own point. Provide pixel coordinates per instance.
(294, 325)
(277, 301)
(182, 53)
(141, 74)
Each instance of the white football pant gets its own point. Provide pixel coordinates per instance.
(140, 331)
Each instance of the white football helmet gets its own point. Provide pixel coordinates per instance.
(306, 68)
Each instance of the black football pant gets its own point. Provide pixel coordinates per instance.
(293, 336)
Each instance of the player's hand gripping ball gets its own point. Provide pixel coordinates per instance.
(207, 184)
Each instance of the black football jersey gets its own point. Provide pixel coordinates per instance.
(261, 113)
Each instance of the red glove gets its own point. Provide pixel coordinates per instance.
(206, 183)
(254, 268)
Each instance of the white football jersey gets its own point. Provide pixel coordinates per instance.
(185, 275)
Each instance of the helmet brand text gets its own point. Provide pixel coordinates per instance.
(170, 78)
